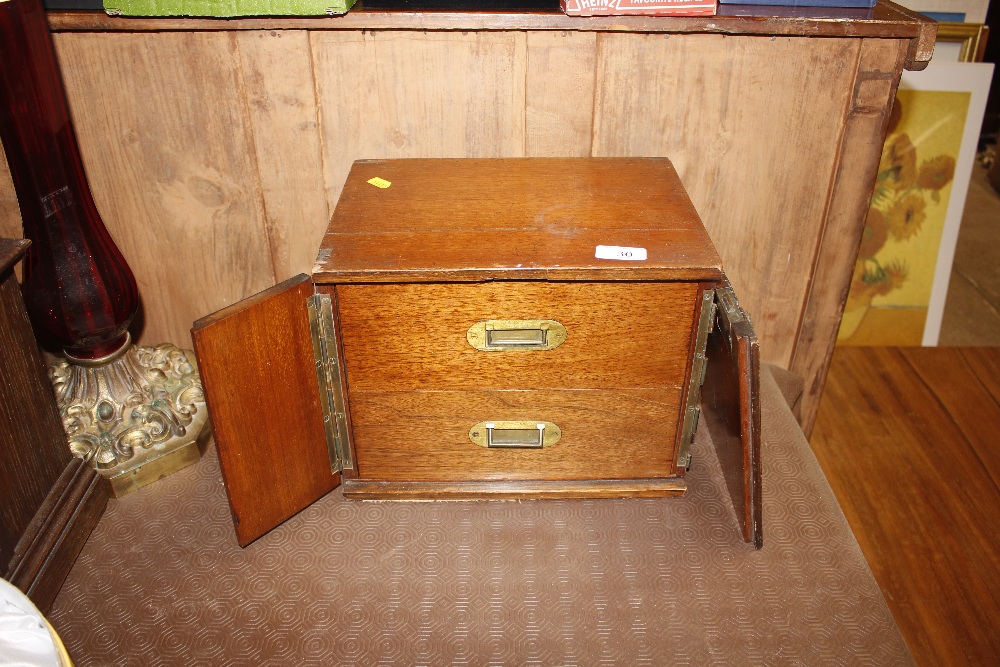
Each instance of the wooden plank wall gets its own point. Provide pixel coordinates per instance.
(751, 124)
(10, 215)
(217, 157)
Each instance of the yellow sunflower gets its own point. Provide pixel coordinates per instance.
(896, 272)
(936, 172)
(871, 280)
(887, 278)
(906, 216)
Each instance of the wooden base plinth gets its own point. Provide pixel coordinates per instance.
(632, 488)
(174, 455)
(49, 547)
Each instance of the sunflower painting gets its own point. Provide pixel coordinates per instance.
(894, 273)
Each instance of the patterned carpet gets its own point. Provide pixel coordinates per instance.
(574, 582)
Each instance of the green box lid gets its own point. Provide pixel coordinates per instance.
(227, 8)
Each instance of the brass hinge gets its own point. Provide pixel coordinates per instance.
(699, 365)
(729, 312)
(326, 353)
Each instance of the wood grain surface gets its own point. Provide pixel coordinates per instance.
(518, 194)
(424, 435)
(875, 84)
(280, 85)
(258, 370)
(10, 212)
(196, 135)
(972, 403)
(762, 194)
(731, 405)
(33, 444)
(414, 336)
(169, 150)
(420, 95)
(57, 534)
(518, 490)
(886, 20)
(11, 252)
(466, 255)
(559, 93)
(907, 438)
(475, 219)
(51, 501)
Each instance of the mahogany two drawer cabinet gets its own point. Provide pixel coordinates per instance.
(488, 328)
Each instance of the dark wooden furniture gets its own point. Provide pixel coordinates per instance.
(907, 438)
(50, 500)
(486, 328)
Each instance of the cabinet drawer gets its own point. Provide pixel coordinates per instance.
(414, 336)
(425, 435)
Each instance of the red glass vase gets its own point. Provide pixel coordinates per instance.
(79, 291)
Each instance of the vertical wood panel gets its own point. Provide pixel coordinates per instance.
(281, 96)
(205, 166)
(410, 94)
(559, 111)
(167, 145)
(32, 441)
(10, 212)
(257, 366)
(874, 88)
(752, 125)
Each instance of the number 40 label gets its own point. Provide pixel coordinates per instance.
(620, 252)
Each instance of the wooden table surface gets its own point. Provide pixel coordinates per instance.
(908, 438)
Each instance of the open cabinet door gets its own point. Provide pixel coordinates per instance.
(731, 408)
(258, 370)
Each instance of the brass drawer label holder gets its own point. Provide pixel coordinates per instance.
(520, 335)
(515, 434)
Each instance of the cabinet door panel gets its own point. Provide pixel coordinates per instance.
(259, 374)
(731, 405)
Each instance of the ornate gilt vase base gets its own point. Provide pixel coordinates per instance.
(152, 464)
(135, 416)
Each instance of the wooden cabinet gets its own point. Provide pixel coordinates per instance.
(217, 149)
(486, 328)
(50, 501)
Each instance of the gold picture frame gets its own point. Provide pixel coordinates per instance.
(972, 36)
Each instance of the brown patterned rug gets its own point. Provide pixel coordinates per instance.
(549, 582)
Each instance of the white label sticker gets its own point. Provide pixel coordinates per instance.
(620, 252)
